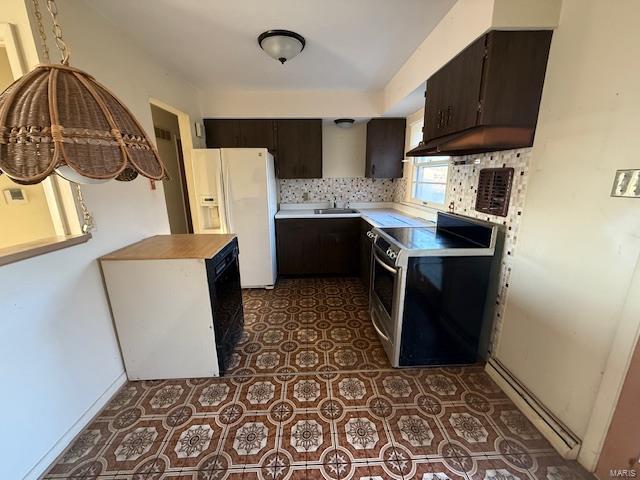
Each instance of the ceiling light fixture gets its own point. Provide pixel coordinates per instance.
(282, 45)
(344, 122)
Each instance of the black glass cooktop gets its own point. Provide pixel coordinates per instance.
(428, 238)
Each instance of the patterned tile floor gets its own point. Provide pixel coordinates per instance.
(311, 396)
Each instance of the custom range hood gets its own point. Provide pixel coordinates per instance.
(476, 140)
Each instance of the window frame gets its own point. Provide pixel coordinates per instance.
(61, 201)
(423, 162)
(416, 162)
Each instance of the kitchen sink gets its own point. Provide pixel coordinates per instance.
(338, 211)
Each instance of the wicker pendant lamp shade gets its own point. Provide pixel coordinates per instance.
(60, 116)
(57, 118)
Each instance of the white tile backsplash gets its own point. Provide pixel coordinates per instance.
(462, 185)
(354, 189)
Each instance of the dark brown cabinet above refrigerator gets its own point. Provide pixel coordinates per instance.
(240, 133)
(299, 148)
(296, 143)
(487, 98)
(385, 147)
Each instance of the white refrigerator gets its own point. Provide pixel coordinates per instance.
(236, 192)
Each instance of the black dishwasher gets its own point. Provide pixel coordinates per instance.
(223, 276)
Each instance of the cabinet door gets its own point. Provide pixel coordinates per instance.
(299, 148)
(256, 133)
(221, 132)
(513, 77)
(298, 246)
(453, 93)
(339, 245)
(385, 147)
(318, 246)
(463, 78)
(434, 99)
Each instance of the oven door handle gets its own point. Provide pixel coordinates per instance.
(376, 327)
(384, 265)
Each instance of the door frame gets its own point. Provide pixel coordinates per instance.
(184, 147)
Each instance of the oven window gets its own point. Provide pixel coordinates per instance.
(383, 281)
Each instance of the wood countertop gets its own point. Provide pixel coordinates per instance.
(165, 247)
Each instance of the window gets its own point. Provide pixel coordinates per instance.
(37, 218)
(428, 174)
(429, 182)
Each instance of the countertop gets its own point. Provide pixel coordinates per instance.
(377, 217)
(165, 247)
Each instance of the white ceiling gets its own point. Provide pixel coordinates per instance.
(351, 44)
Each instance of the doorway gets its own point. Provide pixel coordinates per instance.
(169, 143)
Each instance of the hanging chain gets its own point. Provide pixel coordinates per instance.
(41, 31)
(87, 219)
(57, 32)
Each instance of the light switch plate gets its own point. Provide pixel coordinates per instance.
(626, 184)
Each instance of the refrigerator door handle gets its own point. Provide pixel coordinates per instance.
(226, 193)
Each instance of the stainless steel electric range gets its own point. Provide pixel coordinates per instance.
(433, 290)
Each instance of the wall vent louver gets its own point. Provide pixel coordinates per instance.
(494, 191)
(162, 133)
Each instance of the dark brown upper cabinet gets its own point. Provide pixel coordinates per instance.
(452, 93)
(255, 133)
(385, 147)
(239, 133)
(487, 98)
(221, 132)
(299, 148)
(295, 143)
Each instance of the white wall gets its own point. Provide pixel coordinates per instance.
(24, 222)
(343, 149)
(6, 76)
(59, 353)
(578, 247)
(290, 103)
(404, 195)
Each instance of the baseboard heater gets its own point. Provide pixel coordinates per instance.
(561, 438)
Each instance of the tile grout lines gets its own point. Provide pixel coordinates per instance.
(448, 420)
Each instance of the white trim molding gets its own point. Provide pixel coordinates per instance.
(561, 438)
(61, 446)
(9, 40)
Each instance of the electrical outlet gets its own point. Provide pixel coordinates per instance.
(305, 196)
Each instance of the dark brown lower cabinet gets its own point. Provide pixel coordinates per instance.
(298, 246)
(318, 246)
